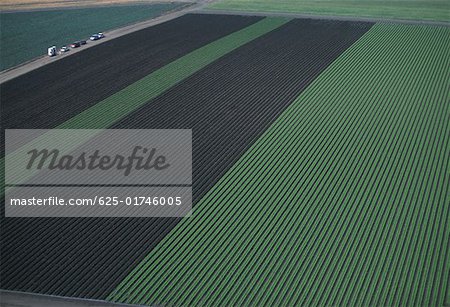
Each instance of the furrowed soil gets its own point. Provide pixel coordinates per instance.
(228, 104)
(61, 90)
(52, 96)
(27, 35)
(344, 201)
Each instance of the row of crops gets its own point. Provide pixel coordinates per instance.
(26, 35)
(320, 165)
(54, 96)
(343, 200)
(21, 274)
(436, 10)
(107, 112)
(202, 103)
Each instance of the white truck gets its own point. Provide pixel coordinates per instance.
(51, 51)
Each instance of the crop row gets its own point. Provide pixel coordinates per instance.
(437, 10)
(343, 200)
(27, 35)
(228, 104)
(59, 91)
(79, 247)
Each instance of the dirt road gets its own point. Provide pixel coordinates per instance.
(27, 5)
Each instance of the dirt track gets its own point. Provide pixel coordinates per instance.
(327, 17)
(25, 299)
(52, 97)
(27, 5)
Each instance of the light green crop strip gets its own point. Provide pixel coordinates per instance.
(115, 107)
(343, 200)
(108, 111)
(435, 10)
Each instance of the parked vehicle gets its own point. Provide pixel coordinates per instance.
(96, 36)
(75, 45)
(63, 49)
(83, 42)
(51, 51)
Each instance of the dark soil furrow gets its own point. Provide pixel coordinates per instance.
(228, 105)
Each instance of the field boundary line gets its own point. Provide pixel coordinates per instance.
(20, 298)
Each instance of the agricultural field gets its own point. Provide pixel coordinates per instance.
(320, 165)
(21, 5)
(83, 88)
(177, 109)
(436, 10)
(27, 35)
(342, 201)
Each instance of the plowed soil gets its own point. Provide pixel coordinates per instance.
(228, 105)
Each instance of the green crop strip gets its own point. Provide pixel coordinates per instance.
(27, 35)
(436, 10)
(343, 200)
(115, 107)
(107, 112)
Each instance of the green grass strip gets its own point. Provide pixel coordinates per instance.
(342, 201)
(105, 113)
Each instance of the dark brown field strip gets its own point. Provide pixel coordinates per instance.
(56, 92)
(228, 105)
